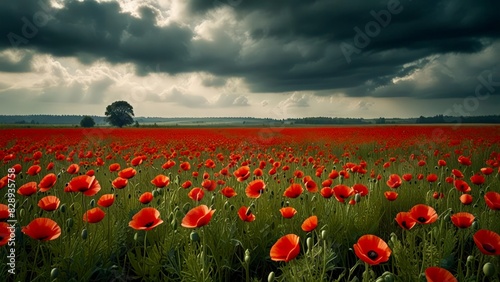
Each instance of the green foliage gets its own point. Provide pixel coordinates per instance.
(87, 121)
(119, 113)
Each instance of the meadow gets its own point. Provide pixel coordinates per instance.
(366, 203)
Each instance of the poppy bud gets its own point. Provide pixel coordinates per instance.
(309, 242)
(357, 198)
(380, 279)
(489, 269)
(323, 234)
(63, 208)
(270, 277)
(21, 213)
(474, 225)
(470, 259)
(388, 277)
(84, 234)
(136, 236)
(247, 256)
(194, 236)
(92, 203)
(54, 273)
(69, 222)
(155, 193)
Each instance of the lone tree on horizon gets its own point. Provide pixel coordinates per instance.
(87, 121)
(119, 113)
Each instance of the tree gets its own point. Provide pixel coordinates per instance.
(119, 113)
(87, 122)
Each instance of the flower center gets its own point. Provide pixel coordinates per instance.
(489, 248)
(372, 255)
(422, 219)
(149, 224)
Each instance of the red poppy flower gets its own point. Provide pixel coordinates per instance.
(372, 250)
(242, 173)
(492, 199)
(311, 186)
(206, 175)
(4, 212)
(255, 188)
(228, 192)
(114, 167)
(391, 195)
(464, 160)
(441, 163)
(73, 169)
(43, 229)
(50, 166)
(420, 176)
(466, 199)
(49, 203)
(4, 233)
(17, 168)
(298, 173)
(246, 214)
(487, 170)
(462, 219)
(423, 214)
(342, 192)
(360, 189)
(327, 183)
(34, 170)
(127, 173)
(310, 223)
(196, 194)
(146, 197)
(90, 172)
(405, 220)
(477, 179)
(437, 195)
(394, 181)
(93, 215)
(185, 166)
(136, 161)
(432, 177)
(27, 189)
(288, 212)
(333, 175)
(293, 191)
(106, 200)
(88, 185)
(462, 186)
(326, 192)
(146, 219)
(186, 184)
(47, 182)
(449, 179)
(421, 163)
(457, 173)
(438, 274)
(119, 183)
(209, 184)
(197, 217)
(160, 181)
(168, 164)
(407, 177)
(3, 182)
(258, 172)
(488, 242)
(286, 248)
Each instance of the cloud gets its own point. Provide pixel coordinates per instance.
(12, 61)
(296, 100)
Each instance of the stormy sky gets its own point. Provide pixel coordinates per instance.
(252, 58)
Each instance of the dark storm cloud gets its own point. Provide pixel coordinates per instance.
(356, 48)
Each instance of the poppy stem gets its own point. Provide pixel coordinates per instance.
(144, 253)
(34, 261)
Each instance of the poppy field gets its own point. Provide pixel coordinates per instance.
(367, 203)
